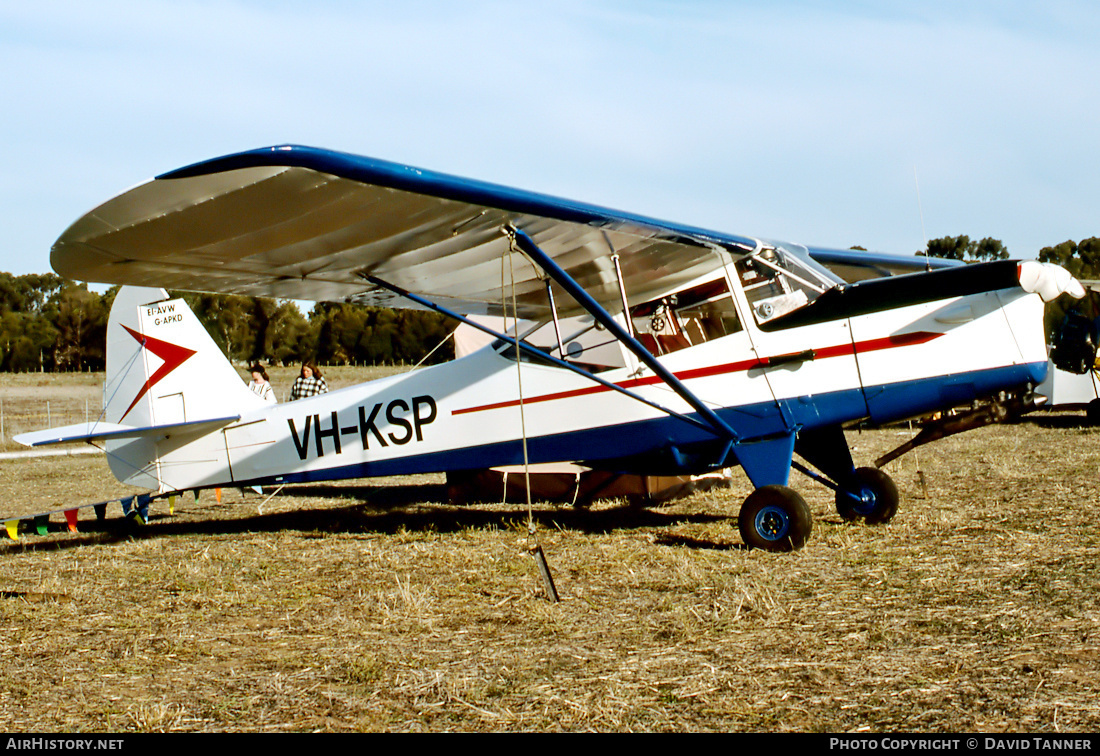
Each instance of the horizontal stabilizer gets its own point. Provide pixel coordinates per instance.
(103, 431)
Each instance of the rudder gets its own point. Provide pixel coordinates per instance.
(162, 369)
(162, 365)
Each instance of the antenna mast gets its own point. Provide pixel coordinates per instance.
(920, 209)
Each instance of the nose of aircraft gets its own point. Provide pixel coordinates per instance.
(1048, 280)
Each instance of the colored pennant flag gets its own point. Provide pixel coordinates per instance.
(135, 508)
(42, 524)
(70, 518)
(100, 511)
(142, 510)
(12, 526)
(172, 504)
(218, 495)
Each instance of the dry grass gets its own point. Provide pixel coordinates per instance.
(373, 606)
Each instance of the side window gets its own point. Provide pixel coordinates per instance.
(687, 318)
(587, 344)
(709, 309)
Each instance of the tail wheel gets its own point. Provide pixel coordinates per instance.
(1092, 412)
(872, 496)
(775, 518)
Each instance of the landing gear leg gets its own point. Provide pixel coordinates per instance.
(866, 493)
(773, 517)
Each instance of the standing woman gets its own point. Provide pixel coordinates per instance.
(309, 383)
(261, 384)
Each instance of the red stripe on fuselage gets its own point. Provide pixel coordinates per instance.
(840, 350)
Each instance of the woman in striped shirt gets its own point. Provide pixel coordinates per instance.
(261, 384)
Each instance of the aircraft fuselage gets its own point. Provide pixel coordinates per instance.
(764, 380)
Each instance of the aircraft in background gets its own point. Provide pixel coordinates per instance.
(657, 348)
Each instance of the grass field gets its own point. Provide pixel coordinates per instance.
(373, 605)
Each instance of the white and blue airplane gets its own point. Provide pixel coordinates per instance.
(658, 348)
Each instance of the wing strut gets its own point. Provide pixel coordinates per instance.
(533, 351)
(622, 295)
(717, 425)
(554, 312)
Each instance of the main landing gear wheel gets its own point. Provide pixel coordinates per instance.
(1092, 412)
(872, 496)
(775, 518)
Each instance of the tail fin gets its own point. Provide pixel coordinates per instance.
(163, 369)
(162, 366)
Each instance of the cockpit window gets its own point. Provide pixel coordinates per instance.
(778, 280)
(507, 349)
(586, 343)
(686, 318)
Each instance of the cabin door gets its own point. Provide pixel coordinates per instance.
(811, 370)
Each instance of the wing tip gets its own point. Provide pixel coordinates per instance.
(263, 156)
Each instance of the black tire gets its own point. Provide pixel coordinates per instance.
(775, 518)
(871, 496)
(1092, 412)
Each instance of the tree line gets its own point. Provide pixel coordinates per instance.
(51, 324)
(1082, 259)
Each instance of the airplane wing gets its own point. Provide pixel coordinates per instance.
(297, 222)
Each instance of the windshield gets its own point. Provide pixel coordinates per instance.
(780, 278)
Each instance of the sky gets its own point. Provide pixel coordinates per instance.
(879, 124)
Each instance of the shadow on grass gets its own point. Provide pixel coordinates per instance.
(1061, 420)
(382, 510)
(698, 543)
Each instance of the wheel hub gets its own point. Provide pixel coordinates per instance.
(772, 523)
(864, 500)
